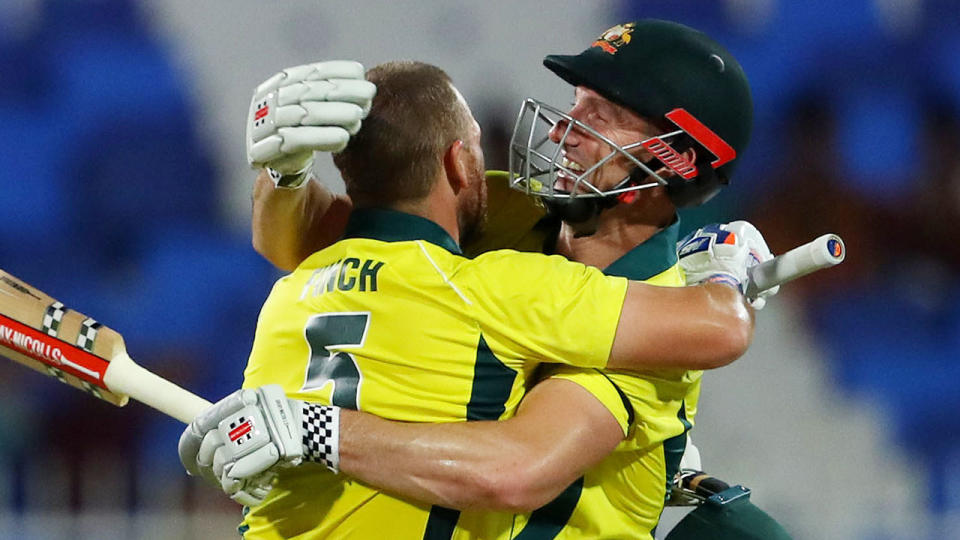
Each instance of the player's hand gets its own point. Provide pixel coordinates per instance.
(303, 109)
(725, 253)
(239, 442)
(243, 434)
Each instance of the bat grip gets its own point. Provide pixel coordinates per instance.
(126, 377)
(827, 250)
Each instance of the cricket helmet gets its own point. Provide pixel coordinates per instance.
(666, 72)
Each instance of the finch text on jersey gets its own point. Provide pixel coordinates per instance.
(344, 275)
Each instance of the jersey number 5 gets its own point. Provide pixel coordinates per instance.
(329, 331)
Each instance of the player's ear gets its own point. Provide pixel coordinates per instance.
(455, 166)
(690, 154)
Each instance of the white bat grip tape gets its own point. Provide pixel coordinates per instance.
(826, 251)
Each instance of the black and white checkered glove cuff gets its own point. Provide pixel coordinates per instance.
(321, 434)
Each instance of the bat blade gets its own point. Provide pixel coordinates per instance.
(38, 331)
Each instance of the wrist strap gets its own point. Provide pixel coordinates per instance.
(727, 279)
(289, 181)
(321, 434)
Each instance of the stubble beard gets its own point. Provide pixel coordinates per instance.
(473, 212)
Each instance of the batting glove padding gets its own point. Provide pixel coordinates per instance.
(724, 253)
(246, 436)
(303, 109)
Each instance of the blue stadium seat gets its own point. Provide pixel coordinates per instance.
(32, 200)
(879, 126)
(188, 303)
(115, 77)
(706, 16)
(942, 69)
(196, 280)
(36, 241)
(131, 176)
(882, 341)
(25, 70)
(70, 18)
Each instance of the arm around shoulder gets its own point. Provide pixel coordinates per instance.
(515, 465)
(290, 224)
(702, 327)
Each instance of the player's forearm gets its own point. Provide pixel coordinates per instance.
(290, 224)
(702, 327)
(417, 461)
(469, 465)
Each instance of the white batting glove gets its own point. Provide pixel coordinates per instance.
(724, 253)
(303, 109)
(239, 443)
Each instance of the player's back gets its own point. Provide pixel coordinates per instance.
(393, 321)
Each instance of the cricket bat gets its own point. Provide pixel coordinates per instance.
(40, 332)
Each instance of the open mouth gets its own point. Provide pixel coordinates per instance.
(567, 175)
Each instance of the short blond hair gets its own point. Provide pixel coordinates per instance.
(398, 152)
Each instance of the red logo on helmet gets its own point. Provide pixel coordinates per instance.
(670, 157)
(703, 135)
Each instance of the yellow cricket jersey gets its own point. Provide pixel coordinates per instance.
(623, 496)
(394, 321)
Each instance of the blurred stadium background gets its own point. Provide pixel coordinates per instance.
(125, 193)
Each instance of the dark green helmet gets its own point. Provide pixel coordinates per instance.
(655, 67)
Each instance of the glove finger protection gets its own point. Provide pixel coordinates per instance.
(316, 113)
(191, 445)
(359, 92)
(250, 492)
(266, 427)
(251, 432)
(725, 253)
(248, 498)
(291, 144)
(333, 95)
(219, 460)
(211, 442)
(204, 460)
(759, 253)
(317, 71)
(711, 253)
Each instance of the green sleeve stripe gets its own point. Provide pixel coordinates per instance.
(674, 447)
(441, 523)
(547, 521)
(492, 384)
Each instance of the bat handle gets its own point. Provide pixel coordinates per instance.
(827, 250)
(126, 377)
